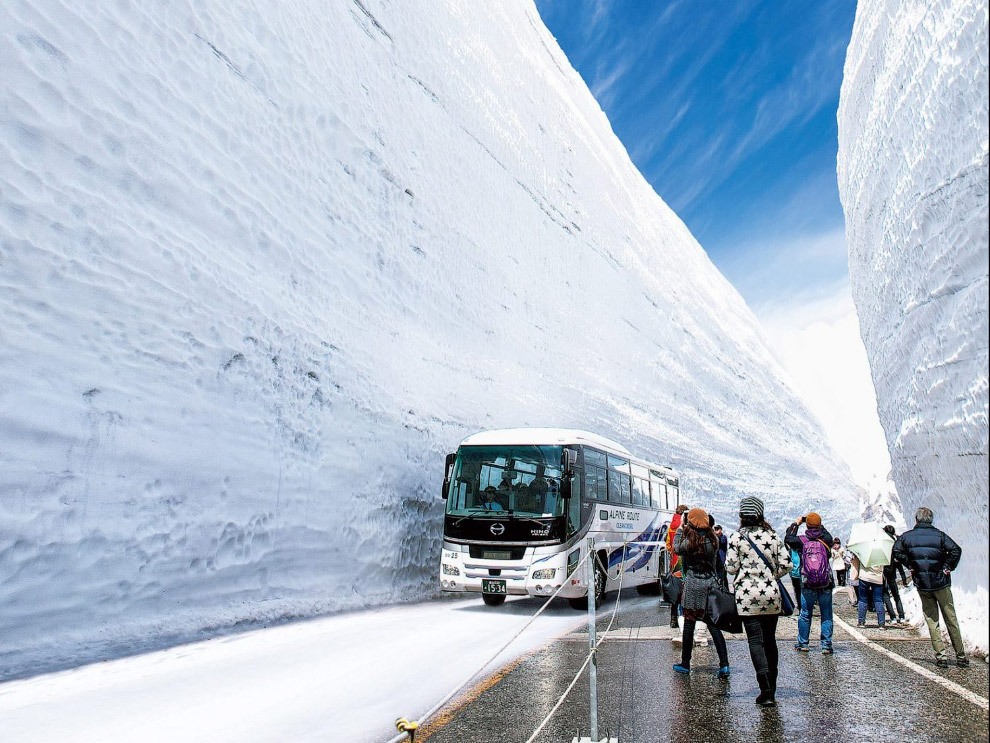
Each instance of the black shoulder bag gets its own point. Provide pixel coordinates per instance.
(786, 602)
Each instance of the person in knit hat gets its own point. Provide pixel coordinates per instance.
(755, 586)
(814, 549)
(697, 546)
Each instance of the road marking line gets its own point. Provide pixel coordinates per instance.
(950, 685)
(459, 702)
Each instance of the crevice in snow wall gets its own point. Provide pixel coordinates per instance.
(262, 265)
(912, 172)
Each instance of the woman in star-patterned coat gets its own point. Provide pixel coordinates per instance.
(755, 587)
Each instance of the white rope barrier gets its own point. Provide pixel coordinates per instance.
(587, 660)
(404, 736)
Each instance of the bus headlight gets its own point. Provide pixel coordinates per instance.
(450, 570)
(544, 574)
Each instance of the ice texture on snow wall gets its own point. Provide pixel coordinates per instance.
(263, 264)
(912, 175)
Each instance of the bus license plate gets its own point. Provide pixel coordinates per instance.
(493, 586)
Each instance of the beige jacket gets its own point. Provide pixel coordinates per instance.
(872, 575)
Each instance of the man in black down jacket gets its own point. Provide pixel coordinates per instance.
(931, 556)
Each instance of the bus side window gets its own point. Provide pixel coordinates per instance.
(640, 485)
(594, 468)
(618, 480)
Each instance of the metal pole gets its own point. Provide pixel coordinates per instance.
(593, 665)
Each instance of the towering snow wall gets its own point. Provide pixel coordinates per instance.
(913, 181)
(263, 264)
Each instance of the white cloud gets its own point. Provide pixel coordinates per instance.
(817, 338)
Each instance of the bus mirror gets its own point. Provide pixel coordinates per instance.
(565, 486)
(448, 470)
(569, 461)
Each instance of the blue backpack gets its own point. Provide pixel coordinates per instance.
(816, 568)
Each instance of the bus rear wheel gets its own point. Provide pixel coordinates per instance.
(493, 599)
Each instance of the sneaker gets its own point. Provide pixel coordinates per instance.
(802, 648)
(883, 626)
(962, 662)
(941, 663)
(827, 651)
(723, 672)
(681, 669)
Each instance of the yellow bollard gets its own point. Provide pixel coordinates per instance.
(405, 726)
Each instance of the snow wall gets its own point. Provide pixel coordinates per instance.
(912, 173)
(264, 264)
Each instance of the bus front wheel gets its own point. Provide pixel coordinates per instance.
(493, 599)
(600, 578)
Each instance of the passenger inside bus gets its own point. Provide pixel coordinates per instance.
(536, 501)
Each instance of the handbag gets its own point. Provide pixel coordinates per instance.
(786, 602)
(672, 586)
(722, 610)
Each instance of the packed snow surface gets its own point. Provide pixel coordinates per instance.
(264, 264)
(344, 678)
(913, 171)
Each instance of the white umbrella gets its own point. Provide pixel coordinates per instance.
(871, 544)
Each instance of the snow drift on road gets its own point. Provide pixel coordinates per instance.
(913, 170)
(263, 264)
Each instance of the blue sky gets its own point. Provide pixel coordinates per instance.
(728, 109)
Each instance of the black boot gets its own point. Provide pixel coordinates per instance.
(673, 617)
(766, 698)
(773, 683)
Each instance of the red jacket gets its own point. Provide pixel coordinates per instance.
(675, 524)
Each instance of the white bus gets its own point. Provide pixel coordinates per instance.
(521, 504)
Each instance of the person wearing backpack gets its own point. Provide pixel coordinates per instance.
(814, 548)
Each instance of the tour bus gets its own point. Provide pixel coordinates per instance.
(521, 504)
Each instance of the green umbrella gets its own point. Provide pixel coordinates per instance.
(871, 544)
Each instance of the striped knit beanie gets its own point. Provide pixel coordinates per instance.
(751, 506)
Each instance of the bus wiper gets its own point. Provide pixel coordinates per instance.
(525, 518)
(472, 509)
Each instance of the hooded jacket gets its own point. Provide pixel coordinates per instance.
(817, 533)
(928, 552)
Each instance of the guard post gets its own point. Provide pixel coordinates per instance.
(593, 665)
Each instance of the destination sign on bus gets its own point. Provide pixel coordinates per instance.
(617, 514)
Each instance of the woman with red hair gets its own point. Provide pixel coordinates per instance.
(697, 546)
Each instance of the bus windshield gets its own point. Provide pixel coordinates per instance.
(522, 480)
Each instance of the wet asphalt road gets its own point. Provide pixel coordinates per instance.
(856, 695)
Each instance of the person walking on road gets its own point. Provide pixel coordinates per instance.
(796, 576)
(697, 547)
(675, 565)
(723, 542)
(890, 583)
(815, 552)
(870, 591)
(931, 556)
(839, 562)
(757, 557)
